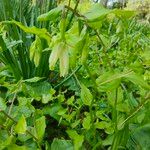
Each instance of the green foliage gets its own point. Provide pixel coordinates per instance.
(73, 78)
(21, 126)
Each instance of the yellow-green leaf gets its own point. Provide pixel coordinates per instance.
(52, 15)
(21, 126)
(40, 126)
(86, 95)
(42, 33)
(87, 122)
(77, 139)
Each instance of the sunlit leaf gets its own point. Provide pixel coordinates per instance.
(86, 95)
(58, 144)
(77, 139)
(42, 33)
(2, 104)
(40, 125)
(87, 122)
(21, 126)
(96, 13)
(138, 80)
(52, 15)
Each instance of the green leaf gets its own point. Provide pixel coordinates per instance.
(5, 140)
(59, 144)
(38, 90)
(86, 95)
(52, 15)
(52, 110)
(110, 80)
(77, 139)
(140, 138)
(96, 13)
(40, 125)
(138, 80)
(42, 33)
(2, 104)
(125, 14)
(102, 125)
(16, 147)
(21, 126)
(87, 122)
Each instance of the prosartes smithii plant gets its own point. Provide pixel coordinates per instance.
(77, 78)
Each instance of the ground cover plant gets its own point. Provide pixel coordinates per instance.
(74, 78)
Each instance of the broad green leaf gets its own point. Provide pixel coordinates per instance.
(40, 125)
(2, 104)
(96, 13)
(48, 97)
(86, 95)
(87, 122)
(138, 80)
(21, 126)
(59, 144)
(52, 111)
(102, 125)
(110, 80)
(123, 13)
(123, 107)
(77, 139)
(42, 33)
(5, 140)
(16, 147)
(52, 15)
(38, 90)
(140, 138)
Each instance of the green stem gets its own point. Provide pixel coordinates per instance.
(74, 10)
(115, 118)
(67, 78)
